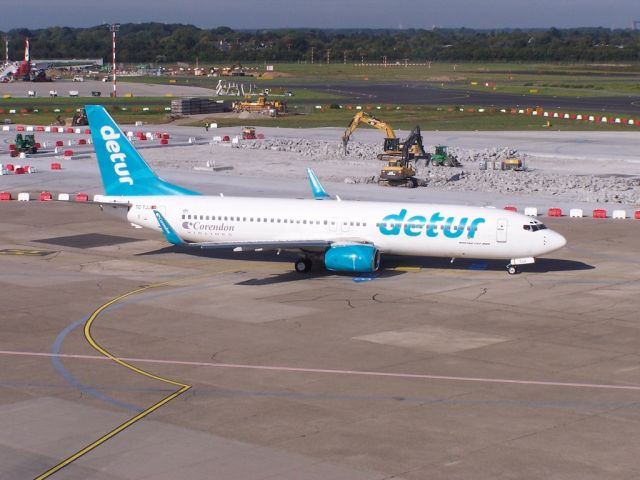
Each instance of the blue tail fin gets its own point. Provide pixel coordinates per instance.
(124, 172)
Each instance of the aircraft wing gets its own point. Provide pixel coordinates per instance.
(261, 246)
(172, 237)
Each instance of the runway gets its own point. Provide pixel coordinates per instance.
(425, 370)
(429, 94)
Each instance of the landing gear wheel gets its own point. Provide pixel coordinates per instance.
(512, 269)
(302, 265)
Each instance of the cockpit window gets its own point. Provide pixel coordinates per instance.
(534, 227)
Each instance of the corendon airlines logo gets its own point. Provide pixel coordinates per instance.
(393, 225)
(201, 226)
(119, 159)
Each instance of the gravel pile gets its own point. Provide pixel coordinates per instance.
(588, 188)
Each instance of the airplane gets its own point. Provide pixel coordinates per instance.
(347, 236)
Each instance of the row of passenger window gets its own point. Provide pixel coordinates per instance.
(227, 218)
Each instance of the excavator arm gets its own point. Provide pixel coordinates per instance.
(364, 117)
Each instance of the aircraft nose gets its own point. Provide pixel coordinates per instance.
(555, 241)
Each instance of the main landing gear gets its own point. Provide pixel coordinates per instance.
(303, 265)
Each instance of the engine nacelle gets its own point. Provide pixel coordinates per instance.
(354, 257)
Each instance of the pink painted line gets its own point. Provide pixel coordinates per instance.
(333, 371)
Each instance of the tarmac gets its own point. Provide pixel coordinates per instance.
(234, 366)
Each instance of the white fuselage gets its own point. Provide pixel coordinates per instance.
(394, 228)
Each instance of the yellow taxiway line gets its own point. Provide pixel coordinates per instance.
(182, 387)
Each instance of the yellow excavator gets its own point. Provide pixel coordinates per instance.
(391, 142)
(399, 171)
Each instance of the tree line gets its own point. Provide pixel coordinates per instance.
(158, 42)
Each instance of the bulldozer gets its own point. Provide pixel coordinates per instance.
(26, 143)
(442, 158)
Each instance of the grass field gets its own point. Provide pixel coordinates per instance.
(428, 118)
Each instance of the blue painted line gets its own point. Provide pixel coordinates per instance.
(363, 279)
(88, 389)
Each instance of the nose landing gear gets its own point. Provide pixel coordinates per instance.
(303, 265)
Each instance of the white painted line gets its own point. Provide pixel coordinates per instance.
(333, 371)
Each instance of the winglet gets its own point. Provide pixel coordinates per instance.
(316, 187)
(169, 233)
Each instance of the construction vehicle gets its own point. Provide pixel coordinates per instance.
(248, 133)
(399, 170)
(261, 105)
(392, 147)
(398, 154)
(391, 142)
(236, 70)
(26, 143)
(512, 164)
(79, 119)
(442, 158)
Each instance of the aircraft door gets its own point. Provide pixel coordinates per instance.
(501, 230)
(344, 225)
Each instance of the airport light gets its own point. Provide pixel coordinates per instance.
(113, 28)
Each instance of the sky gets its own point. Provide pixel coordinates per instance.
(255, 14)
